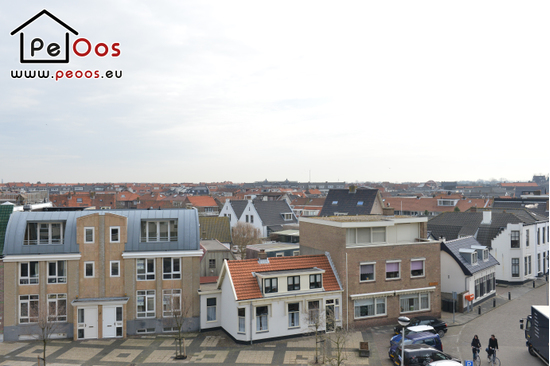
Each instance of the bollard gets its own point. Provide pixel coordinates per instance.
(533, 283)
(494, 302)
(509, 295)
(479, 310)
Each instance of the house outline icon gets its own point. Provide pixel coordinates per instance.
(22, 41)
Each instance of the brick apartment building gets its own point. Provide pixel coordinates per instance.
(386, 267)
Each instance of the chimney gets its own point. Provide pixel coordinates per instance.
(388, 211)
(352, 189)
(487, 217)
(262, 257)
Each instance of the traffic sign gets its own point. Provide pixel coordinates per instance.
(468, 363)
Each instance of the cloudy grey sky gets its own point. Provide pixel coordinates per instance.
(243, 91)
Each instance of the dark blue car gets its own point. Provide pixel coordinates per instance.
(427, 338)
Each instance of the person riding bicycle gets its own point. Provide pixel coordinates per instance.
(476, 345)
(493, 345)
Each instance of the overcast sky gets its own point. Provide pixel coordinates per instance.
(244, 91)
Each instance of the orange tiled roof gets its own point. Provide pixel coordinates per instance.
(202, 201)
(519, 184)
(430, 204)
(246, 286)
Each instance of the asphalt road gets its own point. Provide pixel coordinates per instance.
(503, 322)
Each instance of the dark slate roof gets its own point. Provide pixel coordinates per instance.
(238, 207)
(270, 212)
(533, 204)
(341, 200)
(5, 212)
(215, 228)
(452, 248)
(452, 225)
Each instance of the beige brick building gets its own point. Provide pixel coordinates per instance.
(386, 268)
(100, 274)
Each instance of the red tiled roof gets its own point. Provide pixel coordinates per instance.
(208, 279)
(202, 201)
(519, 184)
(246, 286)
(430, 204)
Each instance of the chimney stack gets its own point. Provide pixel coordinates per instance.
(352, 189)
(262, 254)
(388, 211)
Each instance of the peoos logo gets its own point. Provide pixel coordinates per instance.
(58, 48)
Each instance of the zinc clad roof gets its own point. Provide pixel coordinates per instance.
(246, 286)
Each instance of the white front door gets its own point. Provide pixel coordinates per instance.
(112, 321)
(87, 323)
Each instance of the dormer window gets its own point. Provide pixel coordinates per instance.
(474, 258)
(315, 281)
(485, 254)
(159, 231)
(44, 233)
(287, 216)
(270, 285)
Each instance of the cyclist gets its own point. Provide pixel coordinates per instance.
(476, 345)
(493, 345)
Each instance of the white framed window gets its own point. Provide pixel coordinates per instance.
(485, 255)
(393, 270)
(145, 303)
(241, 313)
(414, 302)
(89, 269)
(262, 313)
(28, 273)
(335, 314)
(280, 254)
(159, 231)
(293, 283)
(57, 307)
(145, 268)
(417, 267)
(294, 315)
(89, 235)
(115, 234)
(287, 216)
(515, 267)
(367, 271)
(44, 233)
(28, 308)
(171, 303)
(211, 309)
(115, 268)
(527, 237)
(366, 235)
(57, 272)
(171, 268)
(366, 308)
(313, 311)
(295, 253)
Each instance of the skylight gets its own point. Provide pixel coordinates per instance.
(334, 202)
(360, 203)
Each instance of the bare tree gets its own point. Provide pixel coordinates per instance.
(338, 339)
(176, 309)
(49, 319)
(316, 322)
(244, 234)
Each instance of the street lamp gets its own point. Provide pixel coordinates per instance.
(403, 321)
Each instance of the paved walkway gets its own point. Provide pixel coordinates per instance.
(215, 347)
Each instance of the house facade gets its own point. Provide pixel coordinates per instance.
(386, 268)
(100, 274)
(266, 298)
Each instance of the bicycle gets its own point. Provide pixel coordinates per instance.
(477, 359)
(493, 359)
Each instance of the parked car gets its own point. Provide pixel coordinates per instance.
(419, 354)
(426, 338)
(415, 329)
(439, 326)
(445, 363)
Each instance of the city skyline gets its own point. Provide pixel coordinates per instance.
(308, 91)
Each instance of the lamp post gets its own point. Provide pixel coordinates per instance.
(403, 321)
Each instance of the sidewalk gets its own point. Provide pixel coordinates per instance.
(504, 293)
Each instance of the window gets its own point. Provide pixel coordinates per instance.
(115, 268)
(246, 218)
(145, 303)
(334, 202)
(294, 315)
(251, 219)
(367, 272)
(359, 203)
(28, 273)
(280, 254)
(171, 303)
(88, 269)
(57, 307)
(241, 313)
(159, 231)
(538, 262)
(417, 268)
(543, 235)
(370, 307)
(515, 267)
(366, 235)
(295, 253)
(527, 237)
(57, 272)
(79, 200)
(335, 314)
(171, 268)
(414, 302)
(270, 285)
(474, 258)
(293, 283)
(212, 263)
(514, 239)
(28, 308)
(538, 236)
(315, 281)
(145, 269)
(378, 234)
(115, 234)
(44, 233)
(211, 309)
(261, 319)
(287, 216)
(392, 270)
(88, 235)
(313, 312)
(485, 254)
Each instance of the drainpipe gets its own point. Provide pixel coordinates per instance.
(251, 308)
(347, 294)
